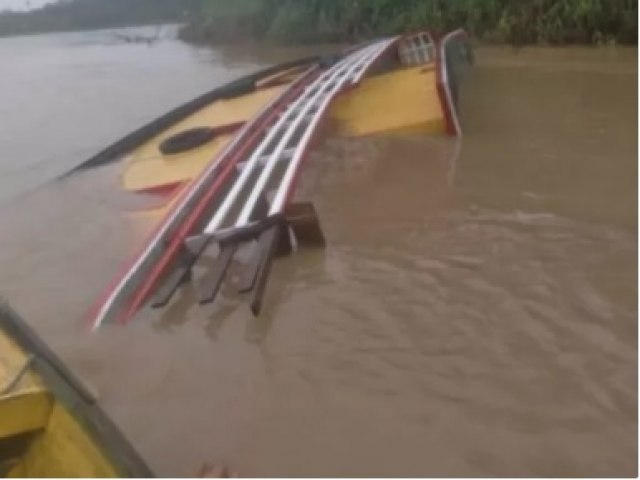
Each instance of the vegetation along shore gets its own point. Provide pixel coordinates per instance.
(502, 21)
(518, 22)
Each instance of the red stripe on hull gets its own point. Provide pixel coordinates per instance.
(449, 126)
(443, 88)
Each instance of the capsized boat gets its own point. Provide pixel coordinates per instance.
(224, 167)
(50, 424)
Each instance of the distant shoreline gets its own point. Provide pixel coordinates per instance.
(177, 26)
(311, 22)
(511, 22)
(87, 15)
(204, 42)
(97, 29)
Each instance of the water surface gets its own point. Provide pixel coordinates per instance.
(472, 314)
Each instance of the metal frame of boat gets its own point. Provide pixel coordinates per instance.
(266, 152)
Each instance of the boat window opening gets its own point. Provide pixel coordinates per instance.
(416, 50)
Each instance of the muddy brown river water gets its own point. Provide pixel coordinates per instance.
(472, 315)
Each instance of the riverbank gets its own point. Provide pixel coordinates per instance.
(293, 22)
(555, 22)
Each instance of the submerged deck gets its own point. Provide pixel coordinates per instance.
(402, 101)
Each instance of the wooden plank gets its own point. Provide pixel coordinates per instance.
(24, 412)
(303, 220)
(268, 243)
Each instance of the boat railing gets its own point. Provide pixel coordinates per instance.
(267, 177)
(264, 156)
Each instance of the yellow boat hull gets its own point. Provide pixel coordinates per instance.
(396, 102)
(50, 426)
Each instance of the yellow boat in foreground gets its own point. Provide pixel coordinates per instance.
(50, 425)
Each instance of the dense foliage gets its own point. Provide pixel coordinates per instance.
(513, 21)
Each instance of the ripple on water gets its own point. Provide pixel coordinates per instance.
(472, 314)
(504, 331)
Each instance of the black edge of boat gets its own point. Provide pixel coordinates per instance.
(235, 88)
